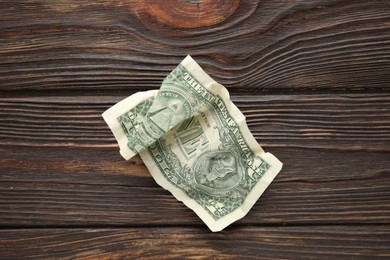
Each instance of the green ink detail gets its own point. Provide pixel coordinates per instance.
(132, 123)
(218, 180)
(151, 119)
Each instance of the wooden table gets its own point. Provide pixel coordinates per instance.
(312, 78)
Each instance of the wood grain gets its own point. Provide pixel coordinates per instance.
(195, 243)
(250, 46)
(60, 165)
(353, 122)
(312, 78)
(75, 187)
(183, 14)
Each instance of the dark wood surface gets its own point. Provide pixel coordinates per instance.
(312, 78)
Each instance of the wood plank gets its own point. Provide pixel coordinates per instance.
(249, 46)
(351, 122)
(59, 164)
(314, 242)
(77, 187)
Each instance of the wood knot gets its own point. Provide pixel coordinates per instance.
(184, 14)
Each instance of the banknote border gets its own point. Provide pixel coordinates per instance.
(258, 189)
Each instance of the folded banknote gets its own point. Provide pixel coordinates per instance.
(196, 144)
